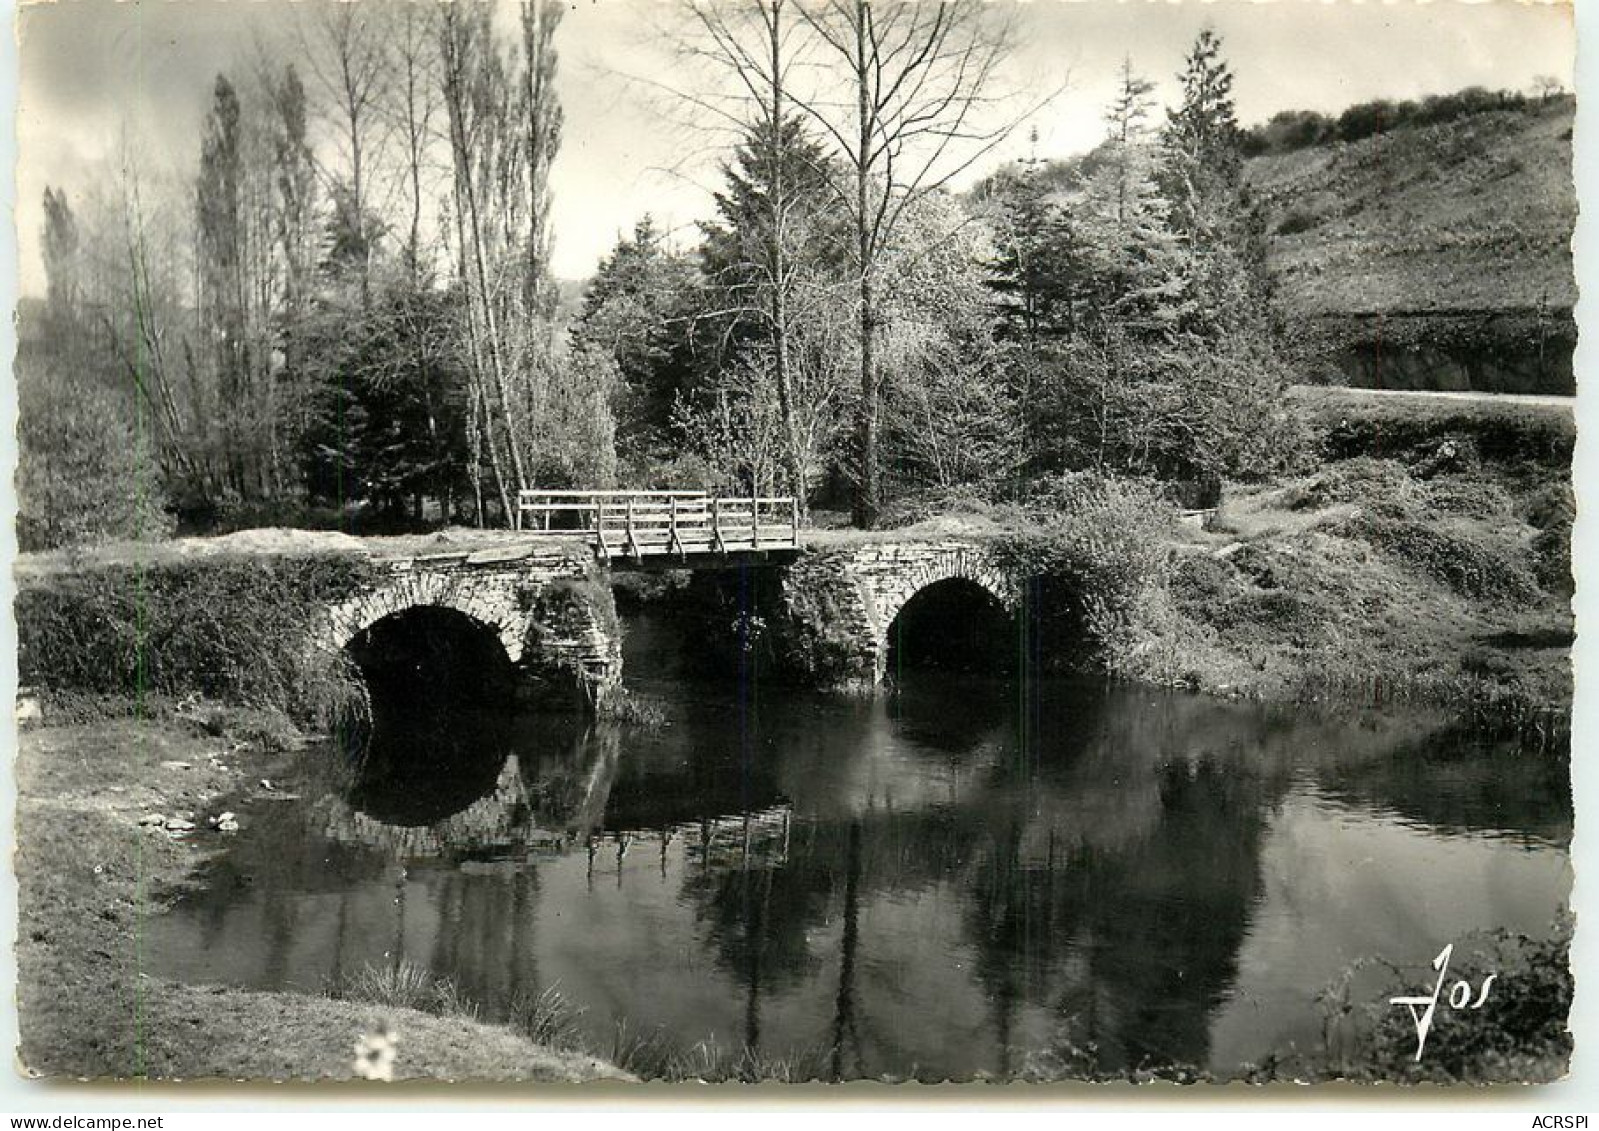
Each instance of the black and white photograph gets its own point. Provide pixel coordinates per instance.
(780, 542)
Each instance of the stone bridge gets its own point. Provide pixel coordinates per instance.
(864, 587)
(549, 604)
(545, 602)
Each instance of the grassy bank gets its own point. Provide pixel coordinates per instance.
(1376, 225)
(1368, 580)
(1427, 558)
(92, 872)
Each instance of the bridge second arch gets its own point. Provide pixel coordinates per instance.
(867, 588)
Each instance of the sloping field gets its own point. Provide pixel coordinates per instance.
(1464, 216)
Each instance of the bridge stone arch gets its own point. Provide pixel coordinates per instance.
(487, 600)
(892, 592)
(570, 643)
(865, 588)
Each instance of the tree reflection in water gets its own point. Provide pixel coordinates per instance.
(950, 879)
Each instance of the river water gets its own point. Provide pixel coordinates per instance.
(959, 877)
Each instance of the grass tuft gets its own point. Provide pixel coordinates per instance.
(405, 986)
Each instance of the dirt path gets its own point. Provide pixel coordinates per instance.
(1349, 392)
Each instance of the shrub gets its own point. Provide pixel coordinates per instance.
(1552, 559)
(1351, 425)
(1289, 130)
(1193, 413)
(1473, 497)
(86, 471)
(223, 627)
(1360, 480)
(1552, 507)
(1390, 487)
(1103, 543)
(1469, 566)
(1201, 582)
(1519, 1035)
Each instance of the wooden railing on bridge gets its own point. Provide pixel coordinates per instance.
(642, 524)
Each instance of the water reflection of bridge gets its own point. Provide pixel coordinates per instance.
(510, 823)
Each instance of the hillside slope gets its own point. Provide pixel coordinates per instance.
(1431, 257)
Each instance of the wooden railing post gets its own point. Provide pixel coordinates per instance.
(695, 521)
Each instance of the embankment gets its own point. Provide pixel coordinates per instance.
(94, 863)
(1427, 557)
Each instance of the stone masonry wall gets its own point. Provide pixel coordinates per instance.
(556, 618)
(862, 588)
(499, 589)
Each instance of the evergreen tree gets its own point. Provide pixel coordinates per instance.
(757, 241)
(1038, 270)
(771, 252)
(638, 310)
(389, 420)
(1201, 178)
(1125, 120)
(1202, 144)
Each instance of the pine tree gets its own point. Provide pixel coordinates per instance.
(1125, 121)
(1040, 270)
(1201, 178)
(1202, 142)
(637, 310)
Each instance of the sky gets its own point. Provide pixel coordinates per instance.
(96, 72)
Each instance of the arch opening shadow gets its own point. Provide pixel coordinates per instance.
(954, 625)
(440, 686)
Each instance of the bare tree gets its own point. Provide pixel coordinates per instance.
(924, 107)
(470, 78)
(757, 45)
(131, 269)
(541, 113)
(410, 110)
(345, 46)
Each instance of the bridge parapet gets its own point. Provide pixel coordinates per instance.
(640, 525)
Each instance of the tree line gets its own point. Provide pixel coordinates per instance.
(1290, 130)
(345, 309)
(347, 302)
